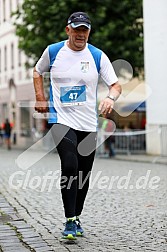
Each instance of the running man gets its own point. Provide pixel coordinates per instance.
(75, 67)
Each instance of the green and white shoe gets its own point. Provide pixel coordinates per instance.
(70, 230)
(80, 230)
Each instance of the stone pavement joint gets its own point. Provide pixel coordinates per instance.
(12, 235)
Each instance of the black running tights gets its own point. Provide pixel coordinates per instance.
(76, 151)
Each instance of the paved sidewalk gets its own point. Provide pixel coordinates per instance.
(115, 218)
(16, 234)
(140, 158)
(146, 158)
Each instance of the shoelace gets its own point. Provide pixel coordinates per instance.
(78, 222)
(69, 225)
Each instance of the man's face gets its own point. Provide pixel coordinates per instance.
(78, 37)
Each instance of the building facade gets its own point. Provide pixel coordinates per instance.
(16, 87)
(155, 46)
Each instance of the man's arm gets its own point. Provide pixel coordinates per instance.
(107, 104)
(41, 104)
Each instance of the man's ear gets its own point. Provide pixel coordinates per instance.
(67, 30)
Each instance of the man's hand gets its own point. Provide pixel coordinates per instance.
(41, 106)
(106, 106)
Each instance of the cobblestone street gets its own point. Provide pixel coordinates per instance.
(119, 214)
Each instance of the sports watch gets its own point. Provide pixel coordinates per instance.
(113, 98)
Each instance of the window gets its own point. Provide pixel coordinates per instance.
(5, 58)
(0, 60)
(25, 121)
(12, 56)
(10, 6)
(4, 10)
(19, 57)
(4, 110)
(0, 12)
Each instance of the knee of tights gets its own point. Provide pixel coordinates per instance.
(69, 168)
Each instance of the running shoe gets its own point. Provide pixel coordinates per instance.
(79, 228)
(70, 230)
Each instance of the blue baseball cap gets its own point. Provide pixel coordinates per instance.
(78, 19)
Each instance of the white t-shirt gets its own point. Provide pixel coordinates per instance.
(74, 78)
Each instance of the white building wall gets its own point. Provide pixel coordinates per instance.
(155, 44)
(7, 37)
(22, 90)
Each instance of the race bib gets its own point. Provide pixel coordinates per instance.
(73, 96)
